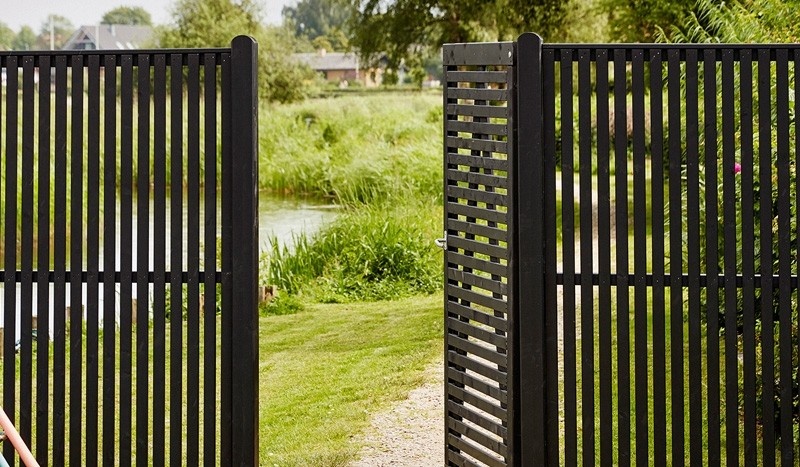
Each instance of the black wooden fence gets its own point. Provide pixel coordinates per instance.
(622, 254)
(130, 255)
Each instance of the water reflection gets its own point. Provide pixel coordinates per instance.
(281, 217)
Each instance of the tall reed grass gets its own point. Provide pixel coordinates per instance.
(371, 252)
(354, 149)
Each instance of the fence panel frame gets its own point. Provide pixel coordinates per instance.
(236, 68)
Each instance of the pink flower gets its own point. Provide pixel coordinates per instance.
(737, 168)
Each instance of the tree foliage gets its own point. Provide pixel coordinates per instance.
(214, 23)
(133, 15)
(6, 36)
(62, 30)
(324, 22)
(640, 20)
(405, 28)
(25, 39)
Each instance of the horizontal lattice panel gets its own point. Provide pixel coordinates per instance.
(477, 169)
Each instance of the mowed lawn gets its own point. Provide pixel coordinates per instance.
(325, 370)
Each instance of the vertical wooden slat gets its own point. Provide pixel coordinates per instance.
(676, 263)
(748, 262)
(176, 260)
(142, 260)
(159, 256)
(193, 286)
(76, 265)
(729, 219)
(59, 262)
(109, 258)
(450, 450)
(640, 258)
(552, 350)
(126, 259)
(26, 254)
(43, 421)
(765, 223)
(712, 255)
(10, 292)
(621, 211)
(568, 261)
(784, 256)
(693, 259)
(512, 340)
(586, 255)
(796, 72)
(226, 441)
(210, 447)
(659, 328)
(604, 259)
(92, 257)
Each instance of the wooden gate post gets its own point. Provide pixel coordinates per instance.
(240, 254)
(529, 286)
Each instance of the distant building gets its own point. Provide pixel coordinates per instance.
(340, 67)
(109, 37)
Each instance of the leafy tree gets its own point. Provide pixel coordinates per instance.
(6, 37)
(25, 39)
(640, 20)
(213, 23)
(62, 29)
(134, 15)
(325, 19)
(406, 28)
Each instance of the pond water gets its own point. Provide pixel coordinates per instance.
(282, 217)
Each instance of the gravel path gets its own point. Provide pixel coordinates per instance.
(410, 434)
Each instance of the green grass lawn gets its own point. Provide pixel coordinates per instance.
(325, 370)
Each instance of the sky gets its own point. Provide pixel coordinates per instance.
(33, 13)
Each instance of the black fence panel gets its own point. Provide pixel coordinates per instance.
(124, 261)
(651, 300)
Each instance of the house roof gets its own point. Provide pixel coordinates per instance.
(327, 61)
(109, 36)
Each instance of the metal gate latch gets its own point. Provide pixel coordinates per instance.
(442, 242)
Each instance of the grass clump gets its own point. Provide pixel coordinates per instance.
(281, 305)
(372, 252)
